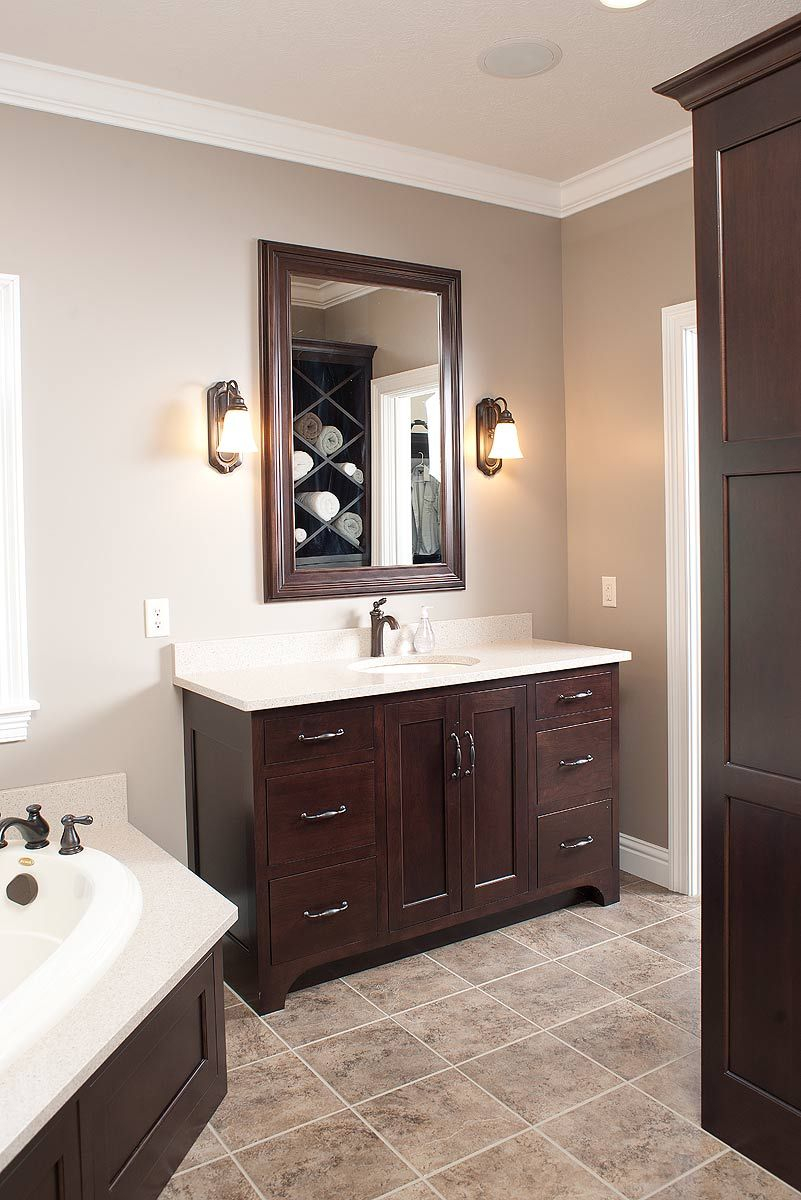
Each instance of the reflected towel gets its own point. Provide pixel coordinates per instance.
(330, 440)
(348, 467)
(300, 536)
(349, 523)
(302, 463)
(358, 476)
(323, 504)
(309, 427)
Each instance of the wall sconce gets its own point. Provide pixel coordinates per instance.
(230, 431)
(496, 435)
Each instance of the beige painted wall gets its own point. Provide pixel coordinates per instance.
(137, 257)
(623, 262)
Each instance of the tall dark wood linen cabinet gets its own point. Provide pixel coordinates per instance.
(746, 107)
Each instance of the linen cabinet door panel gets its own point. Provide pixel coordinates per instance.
(494, 795)
(423, 820)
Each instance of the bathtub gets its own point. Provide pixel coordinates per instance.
(57, 945)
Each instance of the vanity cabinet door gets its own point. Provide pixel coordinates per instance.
(423, 819)
(49, 1168)
(492, 726)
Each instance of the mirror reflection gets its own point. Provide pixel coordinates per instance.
(366, 425)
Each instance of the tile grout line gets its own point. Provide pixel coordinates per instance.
(615, 1191)
(685, 1174)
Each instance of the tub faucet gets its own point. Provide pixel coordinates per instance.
(35, 828)
(378, 620)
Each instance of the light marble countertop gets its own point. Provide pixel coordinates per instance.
(182, 918)
(282, 685)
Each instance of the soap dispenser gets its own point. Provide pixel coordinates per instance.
(424, 637)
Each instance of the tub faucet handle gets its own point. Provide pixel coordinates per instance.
(70, 842)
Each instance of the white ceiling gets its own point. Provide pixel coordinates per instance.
(405, 70)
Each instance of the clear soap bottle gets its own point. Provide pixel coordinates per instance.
(424, 636)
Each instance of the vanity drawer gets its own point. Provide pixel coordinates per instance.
(320, 812)
(322, 910)
(575, 842)
(299, 738)
(573, 761)
(564, 697)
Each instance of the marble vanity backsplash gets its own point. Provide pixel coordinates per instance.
(280, 649)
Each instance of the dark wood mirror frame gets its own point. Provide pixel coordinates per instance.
(277, 263)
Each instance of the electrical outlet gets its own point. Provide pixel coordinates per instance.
(609, 591)
(157, 618)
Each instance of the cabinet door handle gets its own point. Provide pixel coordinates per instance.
(321, 737)
(324, 816)
(577, 843)
(575, 762)
(457, 774)
(325, 912)
(471, 770)
(572, 697)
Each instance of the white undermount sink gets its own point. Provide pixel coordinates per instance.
(414, 664)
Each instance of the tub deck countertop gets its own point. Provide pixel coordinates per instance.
(182, 919)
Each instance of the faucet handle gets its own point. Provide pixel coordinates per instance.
(70, 842)
(377, 604)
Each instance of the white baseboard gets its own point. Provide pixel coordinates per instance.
(644, 859)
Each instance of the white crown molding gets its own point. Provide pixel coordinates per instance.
(328, 293)
(69, 93)
(644, 859)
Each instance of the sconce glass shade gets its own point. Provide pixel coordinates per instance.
(237, 432)
(505, 443)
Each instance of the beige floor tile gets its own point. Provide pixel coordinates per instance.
(230, 996)
(319, 1011)
(436, 1121)
(660, 895)
(557, 933)
(206, 1147)
(678, 1000)
(550, 993)
(486, 957)
(624, 966)
(629, 880)
(631, 1141)
(632, 912)
(337, 1157)
(367, 1061)
(539, 1077)
(460, 1026)
(269, 1097)
(678, 1085)
(247, 1038)
(679, 937)
(415, 1191)
(219, 1181)
(729, 1177)
(525, 1168)
(627, 1039)
(402, 984)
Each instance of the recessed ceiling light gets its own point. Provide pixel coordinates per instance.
(519, 58)
(621, 4)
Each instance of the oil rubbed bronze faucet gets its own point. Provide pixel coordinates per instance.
(378, 619)
(34, 829)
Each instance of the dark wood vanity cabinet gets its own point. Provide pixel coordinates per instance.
(350, 833)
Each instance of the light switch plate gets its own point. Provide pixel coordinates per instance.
(609, 591)
(157, 618)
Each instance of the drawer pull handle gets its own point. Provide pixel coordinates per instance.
(572, 697)
(326, 912)
(321, 737)
(324, 816)
(471, 770)
(575, 762)
(457, 774)
(577, 843)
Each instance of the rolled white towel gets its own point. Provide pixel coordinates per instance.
(330, 440)
(309, 427)
(348, 468)
(300, 536)
(323, 504)
(358, 476)
(349, 523)
(302, 463)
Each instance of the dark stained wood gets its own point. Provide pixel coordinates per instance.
(554, 699)
(277, 262)
(291, 738)
(494, 796)
(306, 817)
(562, 857)
(423, 820)
(748, 234)
(50, 1166)
(573, 744)
(347, 897)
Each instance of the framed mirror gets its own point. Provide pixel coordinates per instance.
(362, 422)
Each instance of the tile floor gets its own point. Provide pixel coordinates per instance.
(556, 1060)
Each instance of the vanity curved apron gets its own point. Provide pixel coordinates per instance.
(63, 922)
